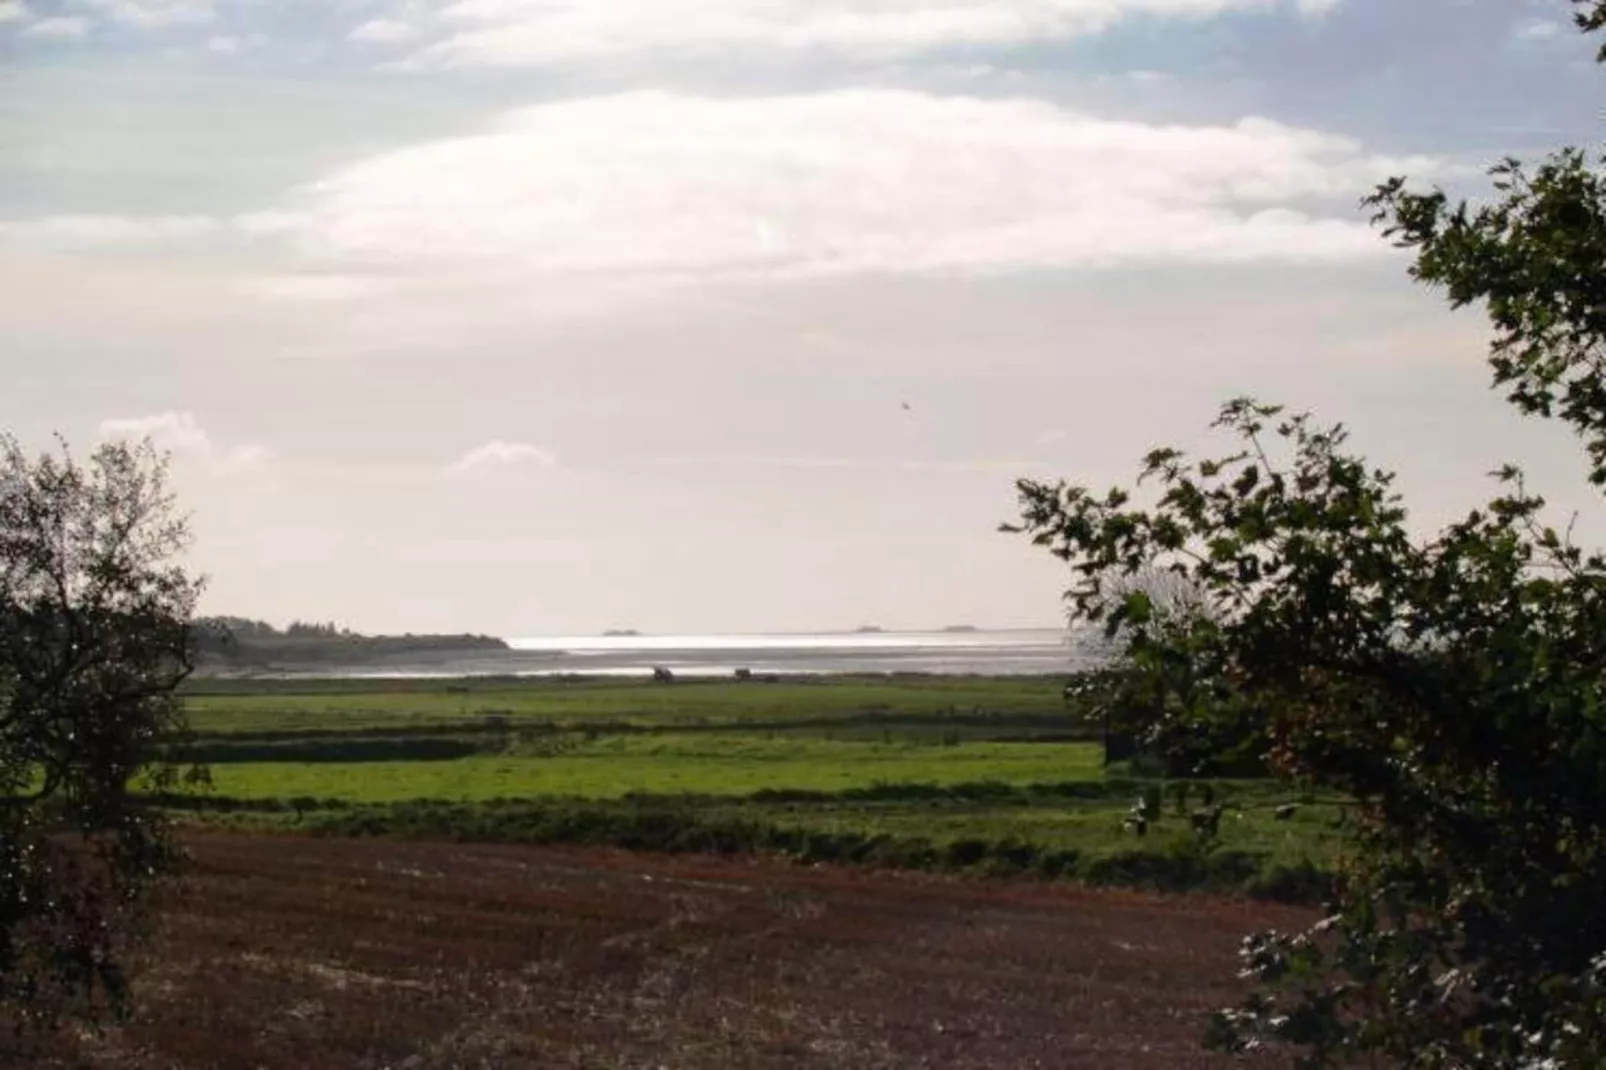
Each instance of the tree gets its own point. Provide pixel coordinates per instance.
(94, 639)
(1454, 686)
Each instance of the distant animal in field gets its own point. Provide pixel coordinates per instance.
(662, 674)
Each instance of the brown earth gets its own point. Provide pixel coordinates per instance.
(299, 953)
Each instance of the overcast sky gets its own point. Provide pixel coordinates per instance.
(549, 316)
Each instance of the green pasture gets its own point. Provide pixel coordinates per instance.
(1090, 826)
(266, 706)
(615, 766)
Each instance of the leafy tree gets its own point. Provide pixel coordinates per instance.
(94, 638)
(1454, 686)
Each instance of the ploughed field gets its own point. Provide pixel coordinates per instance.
(294, 952)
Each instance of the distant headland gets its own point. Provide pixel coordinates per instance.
(236, 644)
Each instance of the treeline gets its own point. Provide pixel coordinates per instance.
(243, 642)
(246, 628)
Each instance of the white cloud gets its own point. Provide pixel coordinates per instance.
(591, 205)
(862, 181)
(515, 32)
(223, 45)
(59, 28)
(311, 287)
(13, 11)
(499, 454)
(151, 14)
(180, 434)
(384, 32)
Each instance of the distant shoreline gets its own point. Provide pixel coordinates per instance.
(314, 681)
(806, 655)
(222, 650)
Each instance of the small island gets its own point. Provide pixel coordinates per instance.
(868, 629)
(621, 633)
(961, 629)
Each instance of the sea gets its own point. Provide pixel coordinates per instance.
(1021, 652)
(951, 652)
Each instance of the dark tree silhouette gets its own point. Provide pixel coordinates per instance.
(1455, 687)
(94, 638)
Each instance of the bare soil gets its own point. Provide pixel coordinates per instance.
(303, 953)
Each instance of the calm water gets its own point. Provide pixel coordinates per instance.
(992, 653)
(996, 653)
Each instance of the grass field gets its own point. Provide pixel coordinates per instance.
(925, 772)
(613, 766)
(1091, 826)
(236, 706)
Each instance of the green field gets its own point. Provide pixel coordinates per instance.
(614, 766)
(901, 771)
(234, 706)
(1092, 826)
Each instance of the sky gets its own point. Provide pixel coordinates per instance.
(550, 316)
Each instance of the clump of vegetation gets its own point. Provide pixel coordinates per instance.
(1452, 687)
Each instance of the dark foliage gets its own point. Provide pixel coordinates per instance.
(94, 637)
(1454, 686)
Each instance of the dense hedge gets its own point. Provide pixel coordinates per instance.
(1178, 865)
